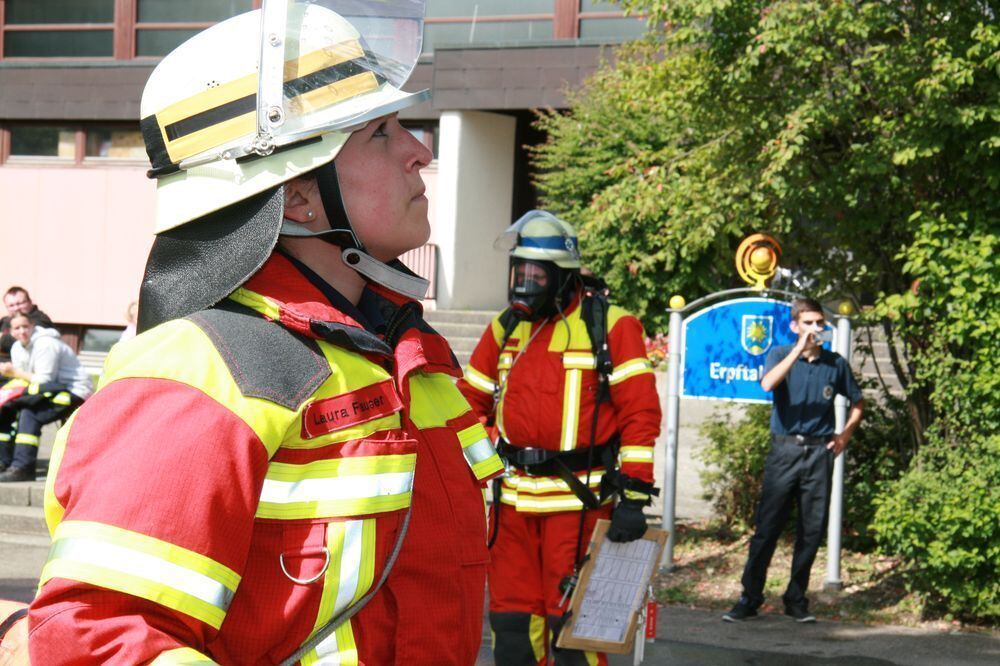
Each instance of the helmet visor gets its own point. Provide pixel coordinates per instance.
(318, 66)
(335, 68)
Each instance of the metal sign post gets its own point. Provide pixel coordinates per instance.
(670, 455)
(834, 527)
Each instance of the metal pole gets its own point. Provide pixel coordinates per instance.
(670, 455)
(835, 525)
(639, 647)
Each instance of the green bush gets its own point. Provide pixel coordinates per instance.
(734, 462)
(943, 519)
(878, 453)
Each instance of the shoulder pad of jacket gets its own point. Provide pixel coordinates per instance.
(266, 360)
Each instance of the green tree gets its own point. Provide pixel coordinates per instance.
(835, 125)
(864, 134)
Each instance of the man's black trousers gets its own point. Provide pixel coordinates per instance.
(792, 473)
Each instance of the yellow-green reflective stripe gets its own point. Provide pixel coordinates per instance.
(479, 451)
(631, 368)
(479, 381)
(337, 487)
(181, 657)
(544, 485)
(61, 398)
(142, 566)
(639, 454)
(635, 494)
(539, 505)
(571, 409)
(579, 360)
(342, 467)
(25, 438)
(505, 361)
(333, 508)
(255, 301)
(53, 510)
(337, 649)
(488, 467)
(346, 580)
(537, 635)
(4, 436)
(32, 388)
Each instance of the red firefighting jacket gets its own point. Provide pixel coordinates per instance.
(546, 381)
(241, 477)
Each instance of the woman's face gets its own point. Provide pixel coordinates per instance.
(21, 329)
(379, 170)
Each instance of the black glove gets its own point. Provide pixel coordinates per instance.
(628, 522)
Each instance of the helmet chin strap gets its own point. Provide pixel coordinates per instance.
(397, 278)
(354, 255)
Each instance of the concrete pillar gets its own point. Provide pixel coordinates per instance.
(474, 193)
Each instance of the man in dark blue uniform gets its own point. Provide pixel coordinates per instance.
(804, 378)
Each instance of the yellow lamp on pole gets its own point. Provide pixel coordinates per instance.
(677, 302)
(757, 259)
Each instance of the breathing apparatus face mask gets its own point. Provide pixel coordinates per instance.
(535, 288)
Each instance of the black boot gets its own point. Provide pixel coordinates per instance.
(13, 474)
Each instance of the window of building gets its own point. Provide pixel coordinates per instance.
(114, 143)
(128, 29)
(99, 340)
(120, 29)
(466, 9)
(77, 144)
(426, 133)
(486, 32)
(162, 25)
(617, 29)
(606, 21)
(42, 141)
(58, 28)
(458, 22)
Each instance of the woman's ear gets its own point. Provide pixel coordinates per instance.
(302, 200)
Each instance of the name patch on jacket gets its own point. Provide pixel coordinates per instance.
(365, 404)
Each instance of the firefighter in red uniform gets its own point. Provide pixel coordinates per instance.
(565, 379)
(279, 468)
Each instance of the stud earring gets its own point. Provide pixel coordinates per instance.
(310, 214)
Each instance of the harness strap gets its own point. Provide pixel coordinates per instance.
(562, 464)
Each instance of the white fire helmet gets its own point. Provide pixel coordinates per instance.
(247, 105)
(541, 236)
(217, 132)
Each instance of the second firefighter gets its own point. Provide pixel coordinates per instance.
(564, 378)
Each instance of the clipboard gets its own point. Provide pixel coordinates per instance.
(608, 600)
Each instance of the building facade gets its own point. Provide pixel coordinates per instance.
(76, 208)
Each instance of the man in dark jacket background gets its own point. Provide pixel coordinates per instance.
(17, 301)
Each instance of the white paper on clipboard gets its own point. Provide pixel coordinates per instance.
(613, 586)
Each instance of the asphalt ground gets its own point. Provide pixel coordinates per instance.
(685, 636)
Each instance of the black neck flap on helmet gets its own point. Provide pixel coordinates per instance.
(393, 275)
(194, 266)
(539, 289)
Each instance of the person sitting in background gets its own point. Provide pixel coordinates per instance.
(131, 317)
(53, 384)
(17, 301)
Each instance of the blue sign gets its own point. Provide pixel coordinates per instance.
(725, 346)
